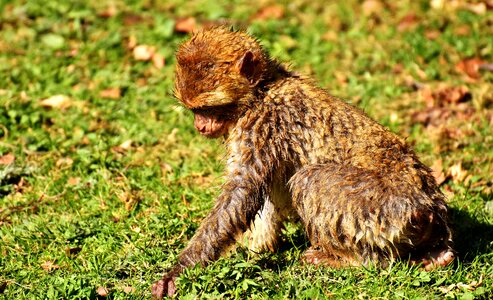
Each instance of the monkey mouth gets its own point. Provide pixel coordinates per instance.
(213, 128)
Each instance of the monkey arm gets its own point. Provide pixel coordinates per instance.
(232, 215)
(234, 211)
(249, 172)
(252, 161)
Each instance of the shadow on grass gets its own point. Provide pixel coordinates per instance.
(471, 236)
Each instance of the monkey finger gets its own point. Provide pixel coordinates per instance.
(165, 286)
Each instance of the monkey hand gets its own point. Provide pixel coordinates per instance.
(164, 287)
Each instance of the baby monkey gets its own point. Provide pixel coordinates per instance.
(294, 152)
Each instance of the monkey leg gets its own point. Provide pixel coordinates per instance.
(317, 256)
(358, 217)
(265, 232)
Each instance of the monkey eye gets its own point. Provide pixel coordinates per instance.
(228, 111)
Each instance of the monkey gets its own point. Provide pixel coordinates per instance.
(296, 153)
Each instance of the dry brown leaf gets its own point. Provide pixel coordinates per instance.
(463, 30)
(143, 52)
(64, 161)
(111, 93)
(56, 101)
(158, 60)
(108, 12)
(102, 291)
(427, 95)
(432, 34)
(457, 173)
(477, 8)
(398, 68)
(49, 266)
(126, 145)
(135, 228)
(437, 4)
(407, 22)
(431, 116)
(274, 11)
(7, 159)
(470, 67)
(185, 25)
(449, 95)
(438, 173)
(132, 19)
(73, 181)
(131, 42)
(371, 7)
(123, 147)
(128, 289)
(166, 168)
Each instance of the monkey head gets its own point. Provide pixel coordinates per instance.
(217, 75)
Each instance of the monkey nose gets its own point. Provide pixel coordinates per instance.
(201, 129)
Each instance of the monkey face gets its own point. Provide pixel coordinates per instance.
(214, 97)
(214, 79)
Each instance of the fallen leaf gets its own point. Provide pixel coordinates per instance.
(432, 34)
(407, 22)
(438, 173)
(126, 145)
(56, 101)
(158, 60)
(437, 4)
(49, 266)
(128, 289)
(397, 68)
(64, 161)
(453, 94)
(371, 7)
(274, 11)
(143, 52)
(132, 42)
(457, 173)
(108, 12)
(123, 147)
(185, 25)
(432, 116)
(7, 159)
(470, 67)
(463, 30)
(73, 181)
(132, 19)
(477, 8)
(166, 168)
(446, 289)
(111, 93)
(102, 291)
(135, 228)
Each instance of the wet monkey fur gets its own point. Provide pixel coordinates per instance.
(294, 152)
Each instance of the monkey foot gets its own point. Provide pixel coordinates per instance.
(316, 256)
(435, 259)
(164, 287)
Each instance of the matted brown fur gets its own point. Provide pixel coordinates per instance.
(294, 152)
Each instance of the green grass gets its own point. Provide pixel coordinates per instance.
(105, 192)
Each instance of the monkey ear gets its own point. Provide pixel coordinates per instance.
(246, 66)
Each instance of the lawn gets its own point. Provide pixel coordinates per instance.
(103, 179)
